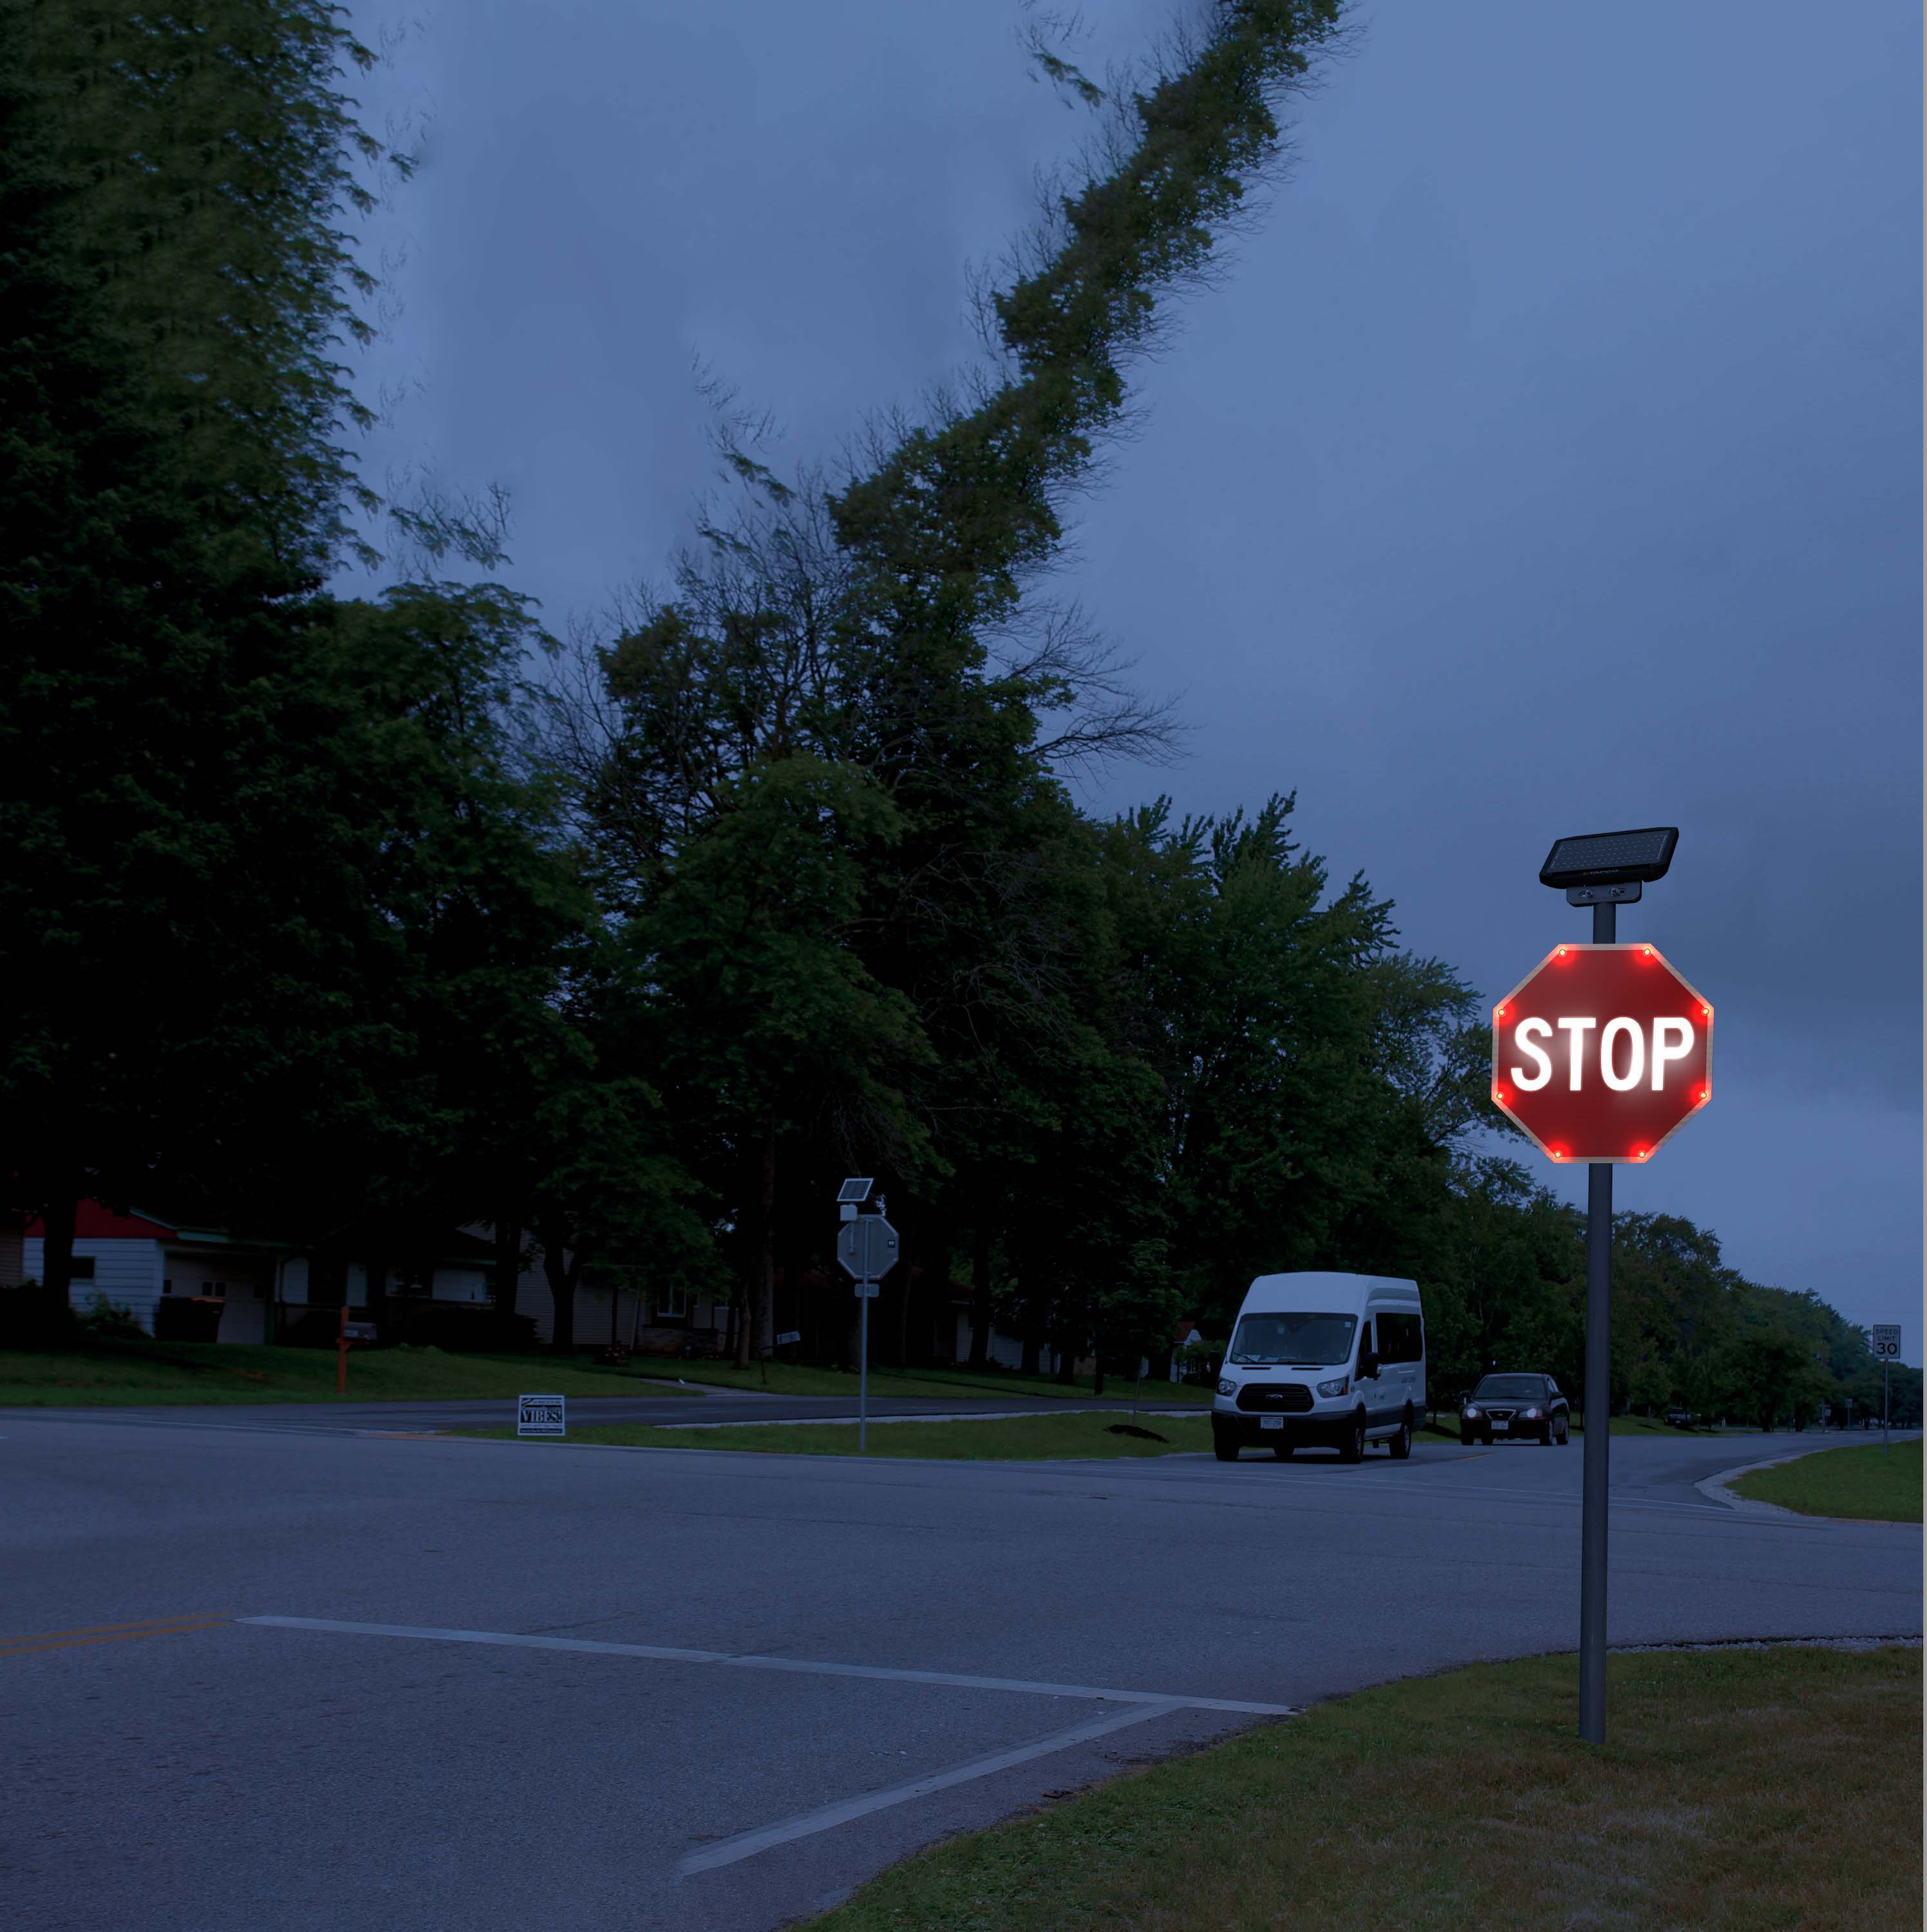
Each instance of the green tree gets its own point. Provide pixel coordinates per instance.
(170, 283)
(888, 623)
(780, 1025)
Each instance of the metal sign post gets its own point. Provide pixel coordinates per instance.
(1887, 1352)
(866, 1248)
(1600, 1055)
(1596, 1478)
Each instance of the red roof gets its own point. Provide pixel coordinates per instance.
(93, 1222)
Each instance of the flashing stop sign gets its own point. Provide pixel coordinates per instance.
(1601, 1053)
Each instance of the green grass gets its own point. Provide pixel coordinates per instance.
(1006, 1439)
(800, 1378)
(1740, 1790)
(227, 1372)
(1856, 1482)
(1622, 1425)
(214, 1371)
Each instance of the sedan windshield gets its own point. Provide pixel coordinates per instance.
(1510, 1388)
(1305, 1341)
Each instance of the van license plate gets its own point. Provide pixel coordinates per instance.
(1271, 1422)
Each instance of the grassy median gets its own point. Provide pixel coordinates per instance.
(1740, 1790)
(229, 1372)
(1857, 1482)
(1025, 1439)
(195, 1372)
(803, 1379)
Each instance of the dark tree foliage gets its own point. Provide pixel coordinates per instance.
(284, 923)
(324, 917)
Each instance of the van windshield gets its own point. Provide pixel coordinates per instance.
(1308, 1341)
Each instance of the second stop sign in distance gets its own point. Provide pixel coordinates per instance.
(1601, 1053)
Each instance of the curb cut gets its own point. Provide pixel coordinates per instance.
(1714, 1487)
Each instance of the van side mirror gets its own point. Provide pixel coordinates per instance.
(1368, 1365)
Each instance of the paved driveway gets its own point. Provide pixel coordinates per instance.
(323, 1683)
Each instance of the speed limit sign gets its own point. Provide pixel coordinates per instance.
(1887, 1343)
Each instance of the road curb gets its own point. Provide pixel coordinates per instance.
(1714, 1487)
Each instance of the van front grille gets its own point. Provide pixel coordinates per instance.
(1294, 1398)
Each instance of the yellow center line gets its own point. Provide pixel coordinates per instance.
(107, 1633)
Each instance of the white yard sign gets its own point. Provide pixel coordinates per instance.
(540, 1415)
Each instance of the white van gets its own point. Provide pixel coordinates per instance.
(1323, 1361)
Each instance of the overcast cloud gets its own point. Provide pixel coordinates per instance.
(1549, 463)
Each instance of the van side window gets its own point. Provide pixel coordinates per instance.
(1401, 1338)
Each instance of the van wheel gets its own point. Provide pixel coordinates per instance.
(1351, 1444)
(1401, 1444)
(1224, 1445)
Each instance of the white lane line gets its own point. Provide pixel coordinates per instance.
(747, 1844)
(663, 1653)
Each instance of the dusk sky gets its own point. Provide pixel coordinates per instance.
(1549, 461)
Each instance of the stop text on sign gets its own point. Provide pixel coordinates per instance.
(1601, 1053)
(1622, 1069)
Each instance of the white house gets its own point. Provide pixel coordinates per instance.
(137, 1261)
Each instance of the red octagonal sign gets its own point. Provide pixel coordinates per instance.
(1601, 1052)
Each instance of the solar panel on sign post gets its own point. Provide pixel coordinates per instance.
(1606, 858)
(855, 1192)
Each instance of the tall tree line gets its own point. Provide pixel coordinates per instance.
(344, 918)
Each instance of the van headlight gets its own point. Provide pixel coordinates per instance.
(1337, 1386)
(1226, 1386)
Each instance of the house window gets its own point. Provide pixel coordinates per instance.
(167, 1287)
(216, 1289)
(672, 1304)
(83, 1268)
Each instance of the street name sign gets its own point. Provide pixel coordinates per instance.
(1601, 1053)
(541, 1415)
(1886, 1342)
(867, 1247)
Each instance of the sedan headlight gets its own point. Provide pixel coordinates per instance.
(1226, 1386)
(1534, 1414)
(1336, 1386)
(1471, 1411)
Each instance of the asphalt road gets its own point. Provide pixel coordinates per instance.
(264, 1677)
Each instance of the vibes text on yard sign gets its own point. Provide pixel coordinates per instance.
(1602, 1053)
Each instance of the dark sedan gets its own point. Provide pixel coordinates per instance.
(1509, 1409)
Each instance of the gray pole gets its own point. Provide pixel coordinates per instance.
(863, 1364)
(1599, 1421)
(1883, 1369)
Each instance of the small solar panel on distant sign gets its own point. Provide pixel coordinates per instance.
(855, 1190)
